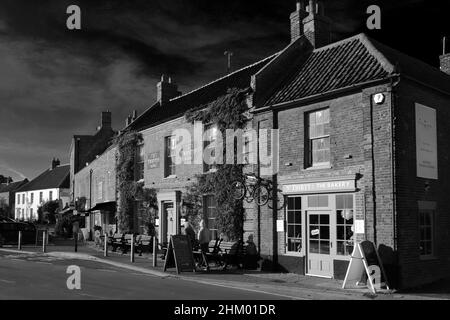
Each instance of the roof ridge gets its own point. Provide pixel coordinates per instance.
(224, 77)
(377, 54)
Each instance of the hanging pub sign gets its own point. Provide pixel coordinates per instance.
(179, 254)
(366, 267)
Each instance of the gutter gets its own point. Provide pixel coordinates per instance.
(323, 95)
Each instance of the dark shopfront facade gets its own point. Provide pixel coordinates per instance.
(370, 183)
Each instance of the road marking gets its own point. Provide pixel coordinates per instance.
(7, 281)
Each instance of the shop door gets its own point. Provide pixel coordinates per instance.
(319, 243)
(169, 212)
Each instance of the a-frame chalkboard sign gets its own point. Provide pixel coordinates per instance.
(366, 266)
(179, 254)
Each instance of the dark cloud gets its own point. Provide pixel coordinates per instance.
(54, 82)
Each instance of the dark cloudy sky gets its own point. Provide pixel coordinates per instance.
(55, 82)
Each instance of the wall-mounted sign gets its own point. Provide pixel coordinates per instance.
(280, 225)
(314, 187)
(426, 142)
(153, 160)
(359, 226)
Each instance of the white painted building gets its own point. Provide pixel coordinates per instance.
(52, 184)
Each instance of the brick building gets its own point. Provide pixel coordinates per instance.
(95, 190)
(85, 148)
(363, 155)
(363, 152)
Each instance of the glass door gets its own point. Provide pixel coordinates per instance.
(319, 242)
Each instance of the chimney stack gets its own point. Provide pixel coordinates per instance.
(445, 59)
(166, 90)
(311, 22)
(55, 163)
(297, 21)
(128, 121)
(106, 120)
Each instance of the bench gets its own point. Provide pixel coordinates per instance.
(116, 241)
(144, 243)
(123, 242)
(232, 253)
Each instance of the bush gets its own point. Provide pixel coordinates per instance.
(63, 226)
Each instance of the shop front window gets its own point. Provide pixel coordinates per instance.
(344, 224)
(294, 224)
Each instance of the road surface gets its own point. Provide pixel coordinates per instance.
(41, 277)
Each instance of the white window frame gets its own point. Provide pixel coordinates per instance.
(310, 139)
(302, 227)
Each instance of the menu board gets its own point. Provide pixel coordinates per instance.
(179, 254)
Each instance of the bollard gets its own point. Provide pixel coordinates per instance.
(37, 234)
(105, 249)
(44, 242)
(132, 248)
(155, 249)
(19, 242)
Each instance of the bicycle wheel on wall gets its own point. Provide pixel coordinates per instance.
(238, 190)
(261, 195)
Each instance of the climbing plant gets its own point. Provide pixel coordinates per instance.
(127, 187)
(227, 112)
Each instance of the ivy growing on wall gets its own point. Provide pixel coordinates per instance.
(127, 187)
(227, 112)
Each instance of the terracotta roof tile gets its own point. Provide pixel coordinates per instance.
(333, 67)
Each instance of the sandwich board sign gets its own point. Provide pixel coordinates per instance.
(179, 254)
(365, 266)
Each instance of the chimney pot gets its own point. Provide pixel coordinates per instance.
(312, 24)
(166, 90)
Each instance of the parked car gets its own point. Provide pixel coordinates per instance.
(9, 232)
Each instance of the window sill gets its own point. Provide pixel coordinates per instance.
(173, 176)
(321, 167)
(294, 254)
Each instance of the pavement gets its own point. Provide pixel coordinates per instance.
(233, 284)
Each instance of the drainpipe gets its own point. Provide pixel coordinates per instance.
(90, 201)
(274, 204)
(374, 196)
(392, 86)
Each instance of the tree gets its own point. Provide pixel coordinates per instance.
(4, 179)
(47, 212)
(4, 208)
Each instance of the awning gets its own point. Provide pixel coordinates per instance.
(106, 206)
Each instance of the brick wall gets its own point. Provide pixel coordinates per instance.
(103, 179)
(351, 155)
(154, 142)
(411, 189)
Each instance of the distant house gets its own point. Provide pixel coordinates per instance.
(52, 184)
(7, 191)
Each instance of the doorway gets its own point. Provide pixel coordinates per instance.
(319, 244)
(170, 223)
